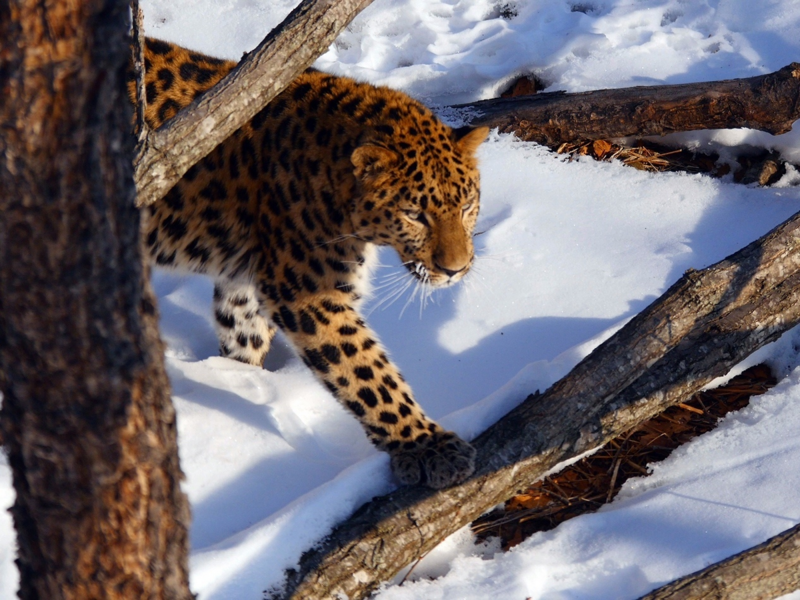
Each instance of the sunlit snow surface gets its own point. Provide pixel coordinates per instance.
(568, 252)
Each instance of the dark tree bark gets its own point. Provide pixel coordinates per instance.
(288, 50)
(768, 102)
(87, 419)
(707, 322)
(766, 571)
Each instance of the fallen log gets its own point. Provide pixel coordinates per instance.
(766, 571)
(707, 322)
(768, 103)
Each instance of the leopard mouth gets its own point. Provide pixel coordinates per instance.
(418, 270)
(433, 277)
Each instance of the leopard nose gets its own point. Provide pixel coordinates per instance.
(449, 272)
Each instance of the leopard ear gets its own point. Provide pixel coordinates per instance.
(469, 138)
(370, 160)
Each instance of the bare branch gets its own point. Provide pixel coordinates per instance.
(288, 49)
(703, 325)
(764, 572)
(768, 102)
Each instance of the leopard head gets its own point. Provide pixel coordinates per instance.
(420, 193)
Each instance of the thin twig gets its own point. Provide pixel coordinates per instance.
(613, 481)
(685, 406)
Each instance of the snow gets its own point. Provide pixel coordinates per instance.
(569, 251)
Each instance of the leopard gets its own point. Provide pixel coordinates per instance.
(286, 216)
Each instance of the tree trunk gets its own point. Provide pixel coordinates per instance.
(764, 572)
(768, 102)
(287, 51)
(87, 418)
(704, 324)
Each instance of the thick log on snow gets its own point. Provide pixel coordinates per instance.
(704, 324)
(165, 155)
(766, 571)
(767, 102)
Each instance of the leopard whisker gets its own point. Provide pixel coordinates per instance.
(338, 239)
(428, 290)
(423, 294)
(393, 276)
(422, 271)
(399, 293)
(390, 283)
(399, 273)
(403, 271)
(395, 290)
(410, 299)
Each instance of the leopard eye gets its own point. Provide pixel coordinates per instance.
(466, 208)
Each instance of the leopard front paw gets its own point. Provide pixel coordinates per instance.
(443, 459)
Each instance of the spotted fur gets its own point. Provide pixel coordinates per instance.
(285, 215)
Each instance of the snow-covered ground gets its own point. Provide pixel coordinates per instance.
(570, 251)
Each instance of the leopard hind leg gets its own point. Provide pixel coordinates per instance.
(244, 334)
